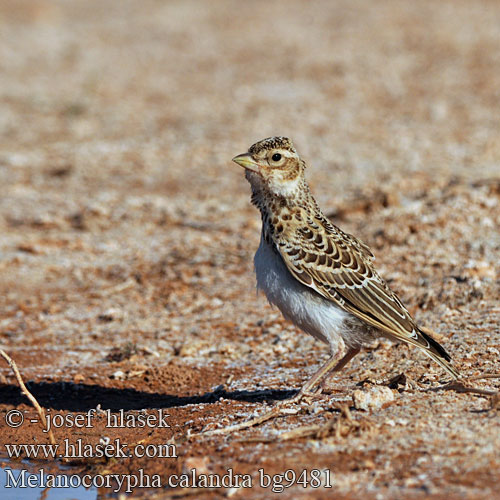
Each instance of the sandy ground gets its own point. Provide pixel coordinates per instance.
(127, 235)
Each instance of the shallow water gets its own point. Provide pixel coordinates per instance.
(24, 481)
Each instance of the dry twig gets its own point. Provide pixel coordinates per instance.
(27, 393)
(460, 386)
(273, 413)
(340, 426)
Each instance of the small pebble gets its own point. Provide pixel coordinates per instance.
(372, 398)
(118, 375)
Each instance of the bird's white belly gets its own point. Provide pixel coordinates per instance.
(298, 303)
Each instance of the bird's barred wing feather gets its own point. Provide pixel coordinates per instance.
(338, 267)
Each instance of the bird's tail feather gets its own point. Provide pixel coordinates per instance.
(434, 346)
(436, 351)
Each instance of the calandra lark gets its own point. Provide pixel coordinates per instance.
(321, 278)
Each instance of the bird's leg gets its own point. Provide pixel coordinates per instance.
(341, 363)
(333, 364)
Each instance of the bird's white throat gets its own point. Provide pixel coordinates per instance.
(284, 188)
(277, 185)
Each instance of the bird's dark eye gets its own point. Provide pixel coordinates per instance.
(276, 157)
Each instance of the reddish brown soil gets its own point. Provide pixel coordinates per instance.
(127, 235)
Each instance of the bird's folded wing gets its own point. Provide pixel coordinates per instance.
(338, 267)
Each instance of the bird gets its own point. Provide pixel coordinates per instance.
(321, 278)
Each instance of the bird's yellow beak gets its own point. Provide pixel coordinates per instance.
(245, 160)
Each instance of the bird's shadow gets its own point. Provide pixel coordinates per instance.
(82, 397)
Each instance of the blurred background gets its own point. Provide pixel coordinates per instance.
(127, 235)
(164, 93)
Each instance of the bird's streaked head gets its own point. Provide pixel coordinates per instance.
(273, 165)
